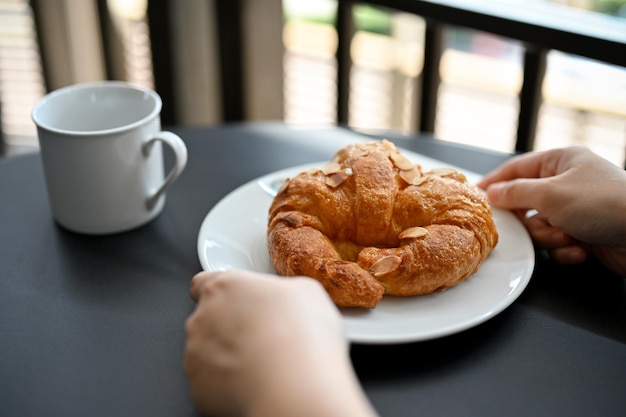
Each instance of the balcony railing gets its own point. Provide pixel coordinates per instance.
(540, 27)
(221, 60)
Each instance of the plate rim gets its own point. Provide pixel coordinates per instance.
(406, 337)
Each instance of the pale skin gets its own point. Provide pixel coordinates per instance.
(259, 345)
(579, 199)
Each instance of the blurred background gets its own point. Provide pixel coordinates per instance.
(584, 101)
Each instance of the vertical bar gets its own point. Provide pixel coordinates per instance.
(230, 39)
(45, 66)
(162, 58)
(431, 79)
(105, 34)
(112, 44)
(3, 145)
(345, 30)
(69, 41)
(530, 98)
(264, 52)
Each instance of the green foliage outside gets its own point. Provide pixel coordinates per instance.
(612, 7)
(366, 18)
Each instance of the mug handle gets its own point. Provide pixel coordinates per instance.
(180, 153)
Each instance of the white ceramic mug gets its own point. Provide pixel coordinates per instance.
(102, 156)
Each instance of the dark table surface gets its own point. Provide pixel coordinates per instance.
(93, 326)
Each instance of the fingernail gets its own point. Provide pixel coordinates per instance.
(494, 191)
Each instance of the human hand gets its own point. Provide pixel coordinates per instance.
(262, 345)
(571, 201)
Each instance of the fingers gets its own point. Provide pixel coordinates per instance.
(529, 165)
(562, 248)
(518, 194)
(569, 255)
(200, 280)
(544, 234)
(204, 283)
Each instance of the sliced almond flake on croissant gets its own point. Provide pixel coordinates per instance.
(421, 179)
(385, 265)
(401, 161)
(331, 168)
(461, 177)
(413, 232)
(389, 145)
(337, 178)
(442, 172)
(359, 152)
(412, 177)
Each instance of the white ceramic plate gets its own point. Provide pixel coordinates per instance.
(233, 236)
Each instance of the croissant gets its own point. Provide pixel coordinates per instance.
(370, 222)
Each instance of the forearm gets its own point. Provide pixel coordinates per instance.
(313, 386)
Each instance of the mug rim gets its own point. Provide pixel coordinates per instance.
(87, 85)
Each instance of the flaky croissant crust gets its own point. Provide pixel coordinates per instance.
(370, 223)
